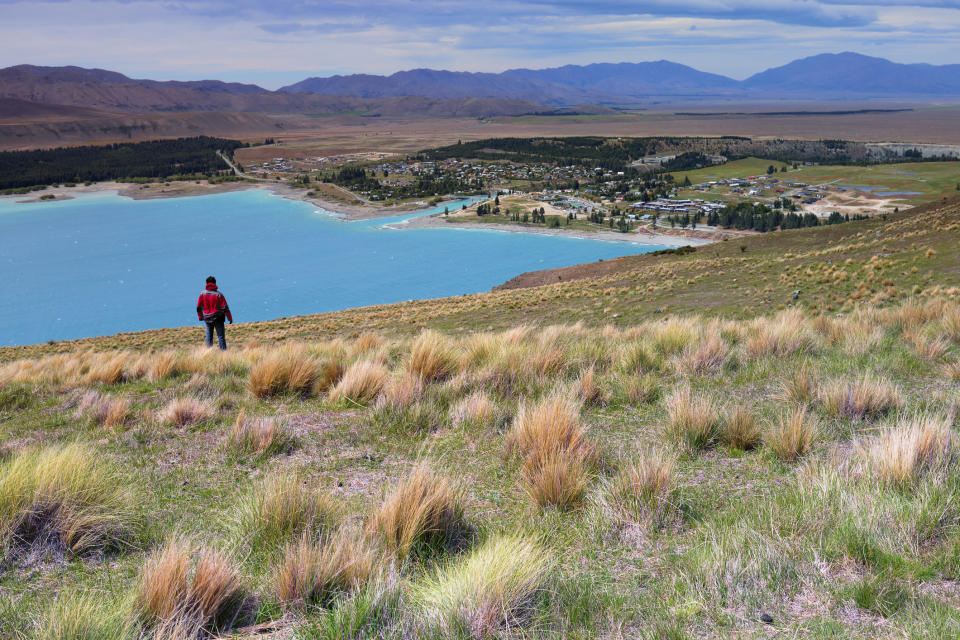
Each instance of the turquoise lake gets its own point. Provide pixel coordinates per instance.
(100, 263)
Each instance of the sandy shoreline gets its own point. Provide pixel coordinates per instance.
(635, 237)
(348, 212)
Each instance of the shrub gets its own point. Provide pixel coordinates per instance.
(311, 573)
(361, 383)
(914, 446)
(864, 397)
(183, 412)
(694, 421)
(431, 357)
(280, 509)
(259, 437)
(64, 498)
(287, 371)
(422, 513)
(205, 598)
(485, 592)
(740, 428)
(792, 436)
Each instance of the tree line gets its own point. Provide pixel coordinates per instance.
(94, 163)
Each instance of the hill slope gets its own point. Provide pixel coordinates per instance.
(785, 473)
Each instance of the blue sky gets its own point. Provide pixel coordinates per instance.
(276, 42)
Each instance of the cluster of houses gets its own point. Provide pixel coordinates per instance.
(671, 206)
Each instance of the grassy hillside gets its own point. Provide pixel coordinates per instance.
(564, 461)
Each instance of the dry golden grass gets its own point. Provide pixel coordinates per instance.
(104, 410)
(783, 335)
(915, 445)
(588, 389)
(186, 411)
(170, 595)
(673, 334)
(432, 357)
(792, 436)
(401, 392)
(927, 347)
(361, 383)
(556, 478)
(312, 573)
(259, 436)
(107, 369)
(952, 370)
(641, 492)
(708, 355)
(477, 409)
(288, 371)
(423, 512)
(740, 428)
(694, 420)
(639, 389)
(162, 365)
(639, 357)
(328, 374)
(865, 397)
(547, 426)
(798, 386)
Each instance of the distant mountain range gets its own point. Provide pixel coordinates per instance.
(833, 76)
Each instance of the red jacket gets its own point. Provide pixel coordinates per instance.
(211, 305)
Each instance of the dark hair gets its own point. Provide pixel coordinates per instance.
(211, 280)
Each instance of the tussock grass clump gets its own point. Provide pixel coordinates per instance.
(107, 370)
(486, 592)
(674, 334)
(84, 616)
(641, 491)
(312, 573)
(798, 386)
(163, 365)
(401, 392)
(361, 382)
(694, 420)
(639, 357)
(552, 424)
(783, 335)
(178, 595)
(952, 370)
(186, 411)
(63, 499)
(556, 478)
(329, 372)
(279, 509)
(287, 371)
(638, 390)
(792, 436)
(104, 410)
(259, 437)
(476, 410)
(740, 427)
(588, 389)
(927, 347)
(914, 446)
(422, 513)
(432, 357)
(864, 397)
(557, 457)
(708, 355)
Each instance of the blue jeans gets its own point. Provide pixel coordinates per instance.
(221, 333)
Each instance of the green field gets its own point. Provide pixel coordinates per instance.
(933, 179)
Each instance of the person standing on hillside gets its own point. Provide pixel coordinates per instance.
(212, 308)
